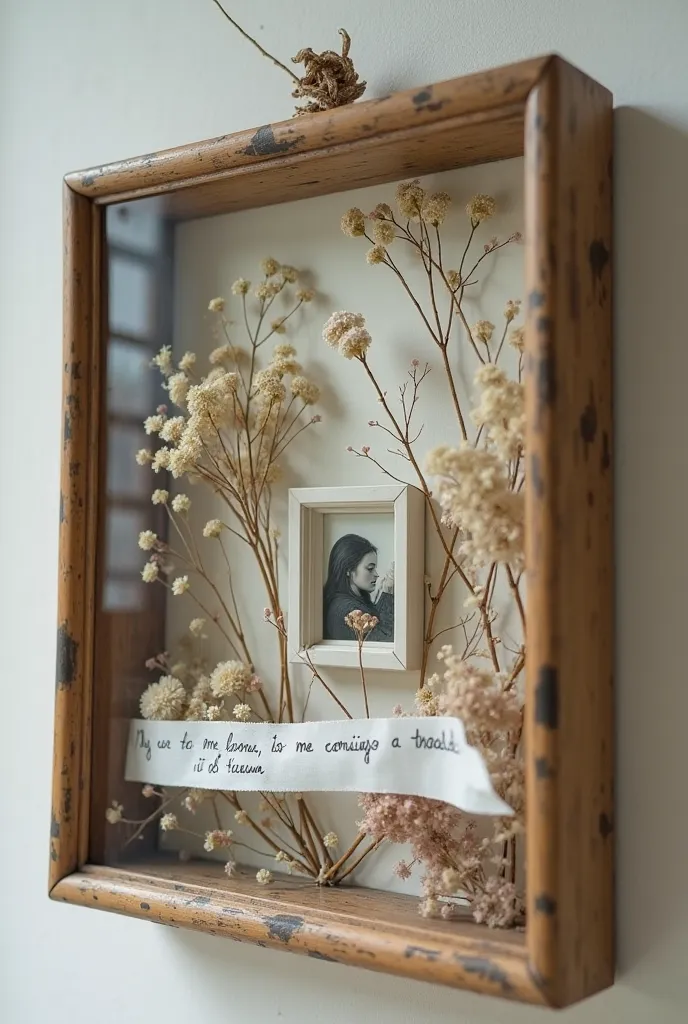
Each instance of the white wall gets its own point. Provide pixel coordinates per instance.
(83, 82)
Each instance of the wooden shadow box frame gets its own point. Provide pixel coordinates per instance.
(561, 122)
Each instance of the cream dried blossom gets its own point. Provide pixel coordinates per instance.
(216, 305)
(229, 678)
(163, 701)
(180, 585)
(169, 822)
(213, 397)
(163, 361)
(304, 389)
(435, 207)
(181, 503)
(285, 365)
(383, 211)
(195, 797)
(475, 496)
(241, 818)
(410, 197)
(498, 905)
(269, 266)
(148, 791)
(154, 424)
(483, 331)
(161, 459)
(144, 456)
(338, 324)
(453, 279)
(263, 877)
(268, 290)
(114, 813)
(150, 572)
(384, 232)
(480, 208)
(218, 839)
(355, 343)
(283, 351)
(278, 326)
(475, 695)
(242, 712)
(187, 361)
(289, 274)
(196, 710)
(196, 627)
(231, 868)
(222, 354)
(378, 254)
(501, 410)
(268, 384)
(213, 528)
(353, 222)
(173, 429)
(147, 540)
(213, 713)
(517, 338)
(178, 388)
(512, 309)
(241, 286)
(160, 496)
(330, 840)
(305, 294)
(361, 622)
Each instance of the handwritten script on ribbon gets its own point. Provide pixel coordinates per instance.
(418, 756)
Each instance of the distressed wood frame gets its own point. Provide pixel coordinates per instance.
(561, 121)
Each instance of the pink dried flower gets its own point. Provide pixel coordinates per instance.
(365, 449)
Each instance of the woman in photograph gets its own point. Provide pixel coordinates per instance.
(354, 584)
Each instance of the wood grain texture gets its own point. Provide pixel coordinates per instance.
(561, 120)
(376, 930)
(433, 128)
(75, 591)
(569, 535)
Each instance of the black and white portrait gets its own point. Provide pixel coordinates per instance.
(359, 574)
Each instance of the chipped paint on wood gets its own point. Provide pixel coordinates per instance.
(283, 926)
(67, 655)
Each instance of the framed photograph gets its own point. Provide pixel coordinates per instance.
(356, 549)
(350, 371)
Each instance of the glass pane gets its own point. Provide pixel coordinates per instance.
(126, 479)
(132, 297)
(123, 596)
(130, 383)
(137, 227)
(123, 528)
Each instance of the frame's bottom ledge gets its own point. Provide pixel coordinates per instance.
(363, 927)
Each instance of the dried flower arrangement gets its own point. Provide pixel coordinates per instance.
(234, 425)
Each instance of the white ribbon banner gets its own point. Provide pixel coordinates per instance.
(416, 756)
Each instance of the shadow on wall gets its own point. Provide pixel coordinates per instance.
(651, 369)
(651, 294)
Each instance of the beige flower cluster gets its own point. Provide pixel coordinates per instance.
(475, 496)
(346, 332)
(501, 411)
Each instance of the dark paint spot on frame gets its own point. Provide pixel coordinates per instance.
(547, 697)
(487, 969)
(322, 956)
(545, 383)
(264, 143)
(67, 654)
(426, 954)
(536, 299)
(605, 461)
(606, 826)
(283, 926)
(536, 475)
(588, 422)
(598, 257)
(144, 906)
(423, 96)
(543, 769)
(63, 514)
(55, 828)
(199, 901)
(544, 904)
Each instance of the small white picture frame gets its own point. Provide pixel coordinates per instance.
(320, 537)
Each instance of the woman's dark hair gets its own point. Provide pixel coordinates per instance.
(345, 555)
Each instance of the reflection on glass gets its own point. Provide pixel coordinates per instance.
(131, 296)
(122, 596)
(121, 543)
(130, 382)
(124, 477)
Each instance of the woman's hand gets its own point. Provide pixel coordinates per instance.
(385, 584)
